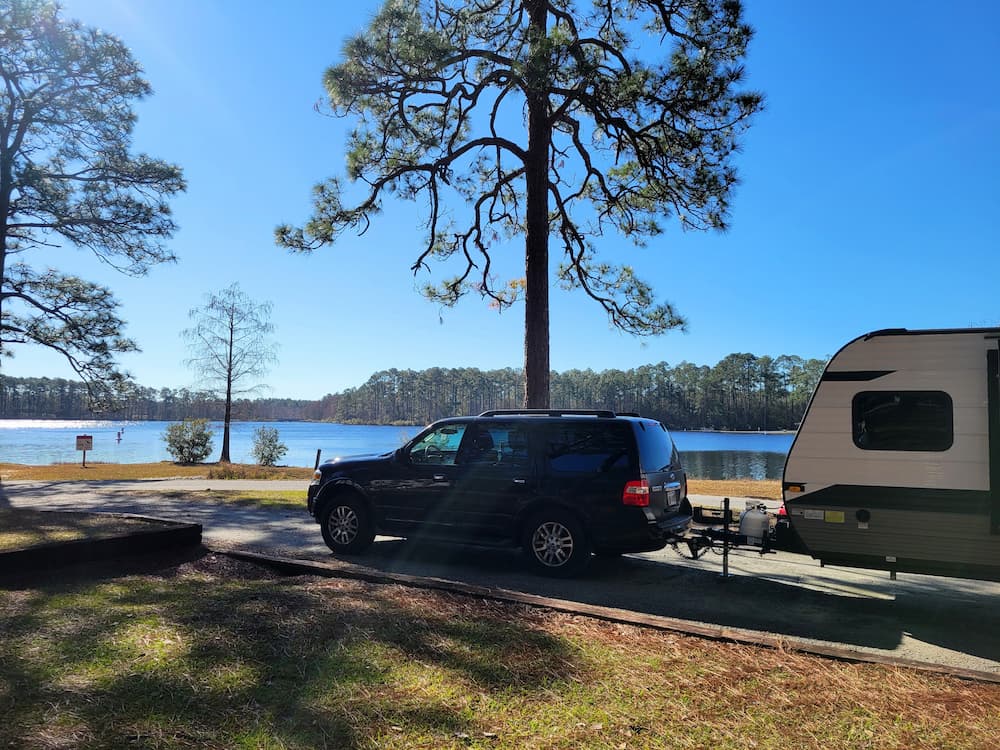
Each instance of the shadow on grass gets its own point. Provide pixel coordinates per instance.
(795, 599)
(777, 603)
(198, 653)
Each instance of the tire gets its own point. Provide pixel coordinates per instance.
(555, 544)
(346, 524)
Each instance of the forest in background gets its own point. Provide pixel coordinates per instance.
(741, 392)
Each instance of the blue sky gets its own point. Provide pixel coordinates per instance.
(869, 198)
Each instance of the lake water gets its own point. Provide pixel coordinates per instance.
(709, 455)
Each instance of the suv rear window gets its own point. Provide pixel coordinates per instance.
(656, 447)
(587, 447)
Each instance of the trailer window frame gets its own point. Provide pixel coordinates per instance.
(910, 421)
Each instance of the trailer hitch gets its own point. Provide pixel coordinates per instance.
(697, 545)
(700, 540)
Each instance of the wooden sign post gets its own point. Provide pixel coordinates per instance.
(85, 443)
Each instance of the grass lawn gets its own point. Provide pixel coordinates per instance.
(213, 653)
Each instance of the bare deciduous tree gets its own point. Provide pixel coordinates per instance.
(230, 347)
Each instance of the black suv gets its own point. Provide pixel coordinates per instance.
(560, 484)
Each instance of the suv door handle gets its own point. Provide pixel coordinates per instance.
(439, 478)
(518, 480)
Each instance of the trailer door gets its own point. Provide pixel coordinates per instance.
(993, 395)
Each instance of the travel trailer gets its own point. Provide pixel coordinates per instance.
(896, 464)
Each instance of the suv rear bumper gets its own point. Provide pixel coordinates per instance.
(653, 535)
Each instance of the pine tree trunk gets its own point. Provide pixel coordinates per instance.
(536, 257)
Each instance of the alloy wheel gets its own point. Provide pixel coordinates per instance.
(552, 544)
(343, 524)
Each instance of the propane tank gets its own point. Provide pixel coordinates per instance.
(755, 525)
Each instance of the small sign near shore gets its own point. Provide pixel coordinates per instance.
(85, 443)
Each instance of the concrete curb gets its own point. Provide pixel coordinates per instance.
(610, 614)
(167, 535)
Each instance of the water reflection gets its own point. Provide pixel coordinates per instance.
(733, 464)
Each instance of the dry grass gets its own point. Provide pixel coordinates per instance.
(159, 470)
(252, 471)
(769, 489)
(219, 654)
(164, 469)
(286, 499)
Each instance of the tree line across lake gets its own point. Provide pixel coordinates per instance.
(741, 392)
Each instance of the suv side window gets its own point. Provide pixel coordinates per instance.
(587, 448)
(438, 448)
(503, 443)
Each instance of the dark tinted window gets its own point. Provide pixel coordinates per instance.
(504, 443)
(656, 448)
(903, 421)
(586, 447)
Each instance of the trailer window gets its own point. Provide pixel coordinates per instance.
(903, 421)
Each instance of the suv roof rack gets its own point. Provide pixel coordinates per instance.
(603, 413)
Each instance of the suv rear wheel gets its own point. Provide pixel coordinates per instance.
(555, 543)
(346, 525)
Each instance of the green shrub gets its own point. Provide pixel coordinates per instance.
(189, 441)
(267, 448)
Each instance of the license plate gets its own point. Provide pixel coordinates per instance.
(673, 497)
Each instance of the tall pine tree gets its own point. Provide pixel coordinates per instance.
(535, 118)
(67, 177)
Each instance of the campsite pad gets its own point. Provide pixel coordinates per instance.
(20, 529)
(33, 539)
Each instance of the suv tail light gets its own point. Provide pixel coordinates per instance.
(636, 493)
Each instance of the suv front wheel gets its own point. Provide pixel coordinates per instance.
(555, 543)
(346, 525)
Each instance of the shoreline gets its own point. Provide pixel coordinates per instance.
(96, 471)
(99, 420)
